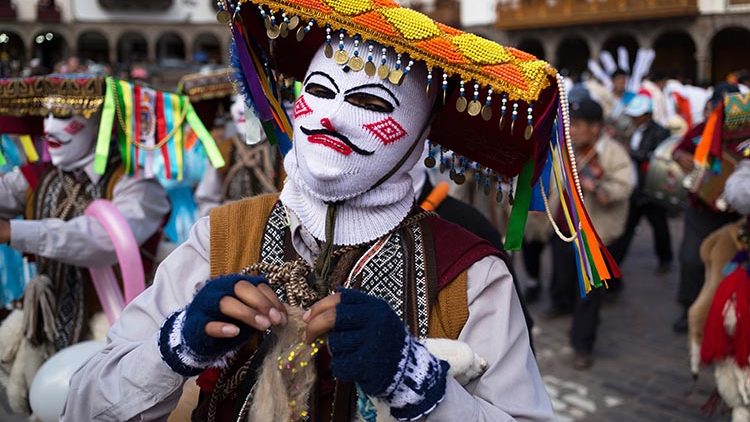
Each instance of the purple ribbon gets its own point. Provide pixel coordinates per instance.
(262, 106)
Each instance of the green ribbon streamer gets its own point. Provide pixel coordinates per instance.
(297, 89)
(597, 280)
(121, 130)
(105, 129)
(520, 212)
(214, 155)
(2, 159)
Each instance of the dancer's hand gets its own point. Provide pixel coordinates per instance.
(221, 317)
(371, 346)
(321, 317)
(251, 302)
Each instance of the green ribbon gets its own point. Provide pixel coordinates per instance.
(596, 279)
(214, 155)
(2, 159)
(121, 130)
(105, 129)
(520, 212)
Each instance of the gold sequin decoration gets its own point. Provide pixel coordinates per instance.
(487, 113)
(301, 33)
(370, 69)
(284, 30)
(461, 104)
(329, 51)
(475, 107)
(341, 57)
(356, 63)
(223, 17)
(383, 71)
(273, 32)
(396, 77)
(528, 132)
(293, 23)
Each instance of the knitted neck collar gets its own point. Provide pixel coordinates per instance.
(358, 220)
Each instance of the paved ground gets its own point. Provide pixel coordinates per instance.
(640, 373)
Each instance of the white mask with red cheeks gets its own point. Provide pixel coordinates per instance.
(70, 141)
(351, 130)
(247, 123)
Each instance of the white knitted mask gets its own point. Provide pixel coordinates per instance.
(351, 129)
(245, 121)
(70, 140)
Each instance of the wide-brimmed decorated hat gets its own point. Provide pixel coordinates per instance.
(145, 121)
(503, 110)
(209, 92)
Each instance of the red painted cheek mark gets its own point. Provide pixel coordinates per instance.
(301, 108)
(74, 127)
(387, 131)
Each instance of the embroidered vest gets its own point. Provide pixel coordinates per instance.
(76, 300)
(420, 270)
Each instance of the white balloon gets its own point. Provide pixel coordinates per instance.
(50, 386)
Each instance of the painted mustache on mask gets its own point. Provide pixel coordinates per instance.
(329, 139)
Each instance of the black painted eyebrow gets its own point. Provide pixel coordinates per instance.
(380, 86)
(325, 75)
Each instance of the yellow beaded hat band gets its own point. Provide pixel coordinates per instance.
(202, 86)
(61, 96)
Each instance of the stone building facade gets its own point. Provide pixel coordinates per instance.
(701, 40)
(166, 32)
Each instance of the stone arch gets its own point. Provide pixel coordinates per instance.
(675, 55)
(533, 46)
(621, 39)
(729, 52)
(93, 45)
(132, 47)
(170, 46)
(207, 48)
(572, 55)
(50, 47)
(12, 53)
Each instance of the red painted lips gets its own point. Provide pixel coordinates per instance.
(330, 142)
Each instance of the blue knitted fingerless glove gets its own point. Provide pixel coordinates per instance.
(372, 347)
(183, 342)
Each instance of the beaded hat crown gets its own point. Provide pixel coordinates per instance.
(503, 114)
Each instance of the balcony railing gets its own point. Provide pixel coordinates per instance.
(527, 14)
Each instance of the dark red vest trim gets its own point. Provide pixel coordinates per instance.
(457, 249)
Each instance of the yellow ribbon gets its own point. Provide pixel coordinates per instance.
(28, 148)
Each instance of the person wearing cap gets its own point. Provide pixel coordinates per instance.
(700, 219)
(607, 179)
(63, 241)
(647, 135)
(345, 216)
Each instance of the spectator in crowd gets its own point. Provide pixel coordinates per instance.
(646, 137)
(607, 180)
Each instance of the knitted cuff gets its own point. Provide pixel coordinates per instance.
(181, 358)
(419, 384)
